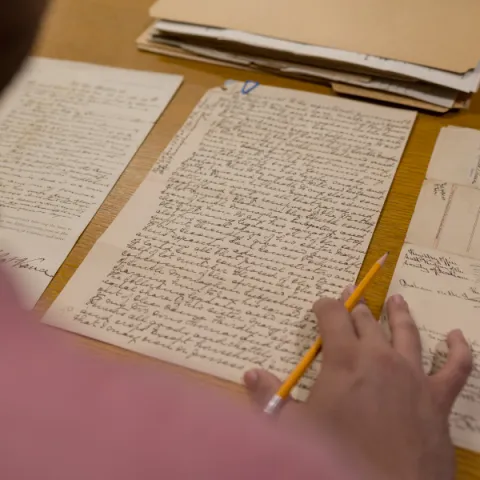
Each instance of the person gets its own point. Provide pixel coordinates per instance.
(69, 412)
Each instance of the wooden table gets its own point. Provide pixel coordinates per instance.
(104, 32)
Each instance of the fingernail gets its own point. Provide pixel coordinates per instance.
(251, 379)
(398, 300)
(457, 332)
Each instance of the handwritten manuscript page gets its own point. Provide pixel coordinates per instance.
(260, 204)
(438, 272)
(67, 132)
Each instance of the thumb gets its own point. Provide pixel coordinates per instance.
(261, 386)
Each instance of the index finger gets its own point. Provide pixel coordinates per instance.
(405, 335)
(334, 324)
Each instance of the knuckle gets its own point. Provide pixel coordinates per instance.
(361, 314)
(344, 357)
(385, 360)
(464, 364)
(362, 310)
(324, 306)
(402, 317)
(406, 324)
(458, 379)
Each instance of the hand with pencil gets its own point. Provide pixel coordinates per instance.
(372, 393)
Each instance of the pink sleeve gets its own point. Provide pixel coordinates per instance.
(68, 413)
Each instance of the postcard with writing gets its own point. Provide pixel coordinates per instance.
(438, 271)
(261, 203)
(67, 132)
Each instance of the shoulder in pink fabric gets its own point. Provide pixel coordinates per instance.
(67, 413)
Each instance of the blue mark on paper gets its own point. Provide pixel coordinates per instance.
(249, 86)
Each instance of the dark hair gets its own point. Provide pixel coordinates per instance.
(19, 23)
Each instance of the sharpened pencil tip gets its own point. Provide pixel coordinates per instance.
(382, 260)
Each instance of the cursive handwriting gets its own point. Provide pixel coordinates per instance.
(67, 131)
(63, 144)
(438, 264)
(413, 285)
(32, 264)
(470, 293)
(270, 202)
(440, 189)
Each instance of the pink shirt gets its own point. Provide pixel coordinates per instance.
(67, 413)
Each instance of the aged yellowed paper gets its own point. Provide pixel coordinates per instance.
(67, 132)
(438, 271)
(261, 203)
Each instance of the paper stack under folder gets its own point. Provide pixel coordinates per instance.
(421, 53)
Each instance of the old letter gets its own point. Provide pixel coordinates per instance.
(261, 203)
(67, 131)
(438, 272)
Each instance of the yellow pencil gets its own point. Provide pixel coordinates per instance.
(309, 357)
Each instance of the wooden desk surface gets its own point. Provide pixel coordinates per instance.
(104, 32)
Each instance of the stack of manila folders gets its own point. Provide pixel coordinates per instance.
(421, 53)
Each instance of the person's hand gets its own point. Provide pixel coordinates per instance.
(373, 395)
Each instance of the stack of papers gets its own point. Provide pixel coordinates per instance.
(421, 53)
